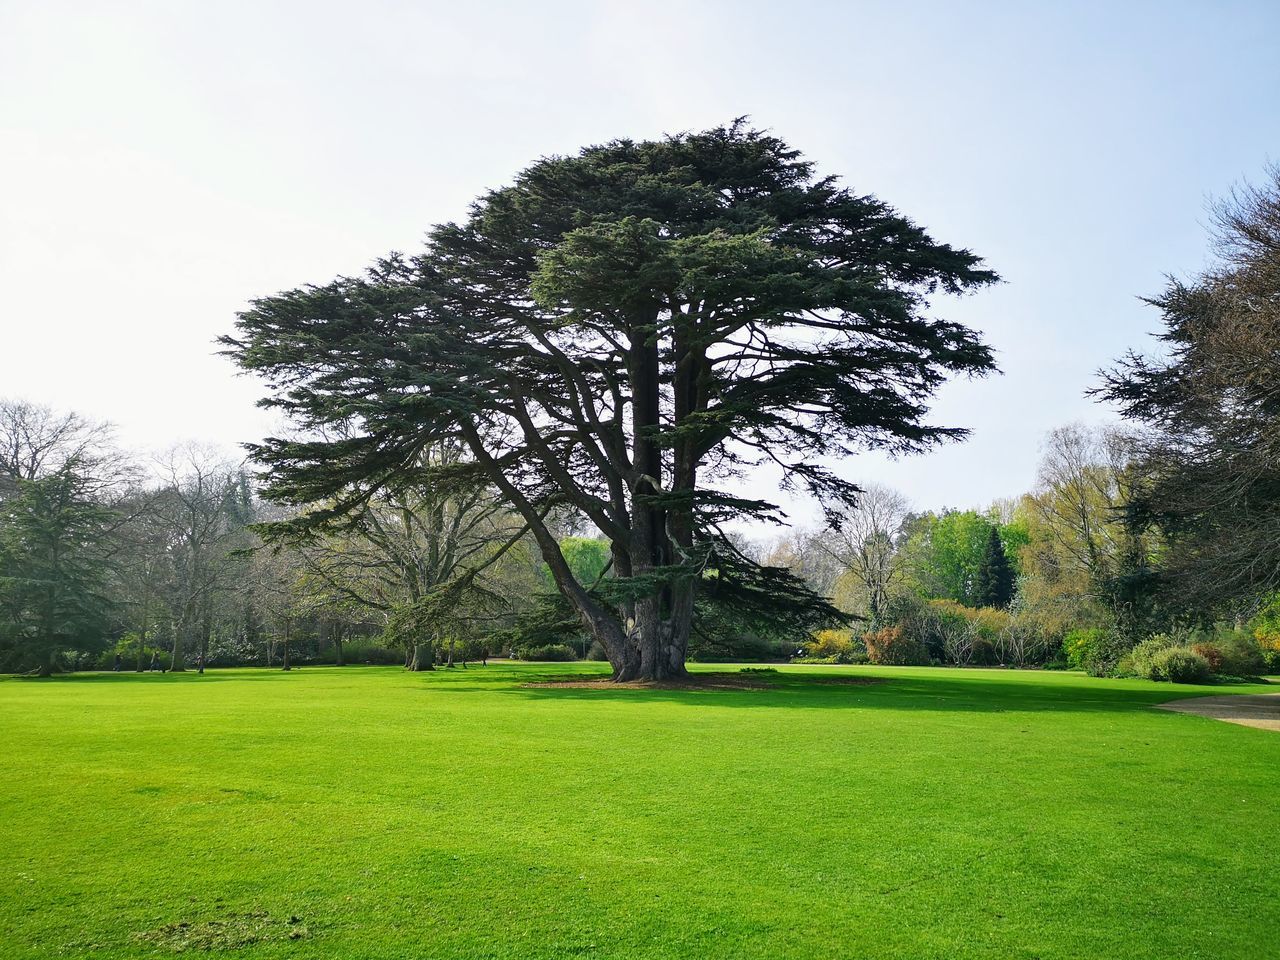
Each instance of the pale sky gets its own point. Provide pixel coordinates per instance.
(163, 163)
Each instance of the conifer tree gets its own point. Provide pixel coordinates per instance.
(53, 570)
(994, 584)
(622, 332)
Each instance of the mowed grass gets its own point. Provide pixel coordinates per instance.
(365, 812)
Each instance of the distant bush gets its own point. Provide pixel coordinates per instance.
(855, 658)
(834, 646)
(1087, 649)
(1240, 654)
(1180, 665)
(1140, 661)
(890, 646)
(557, 652)
(1227, 653)
(356, 652)
(1212, 654)
(954, 633)
(1271, 655)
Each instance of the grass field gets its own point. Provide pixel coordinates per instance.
(365, 812)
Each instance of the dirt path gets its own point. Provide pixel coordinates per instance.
(1260, 710)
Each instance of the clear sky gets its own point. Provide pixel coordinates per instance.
(162, 163)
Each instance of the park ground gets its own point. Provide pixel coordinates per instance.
(369, 813)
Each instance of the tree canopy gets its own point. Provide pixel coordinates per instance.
(1208, 453)
(621, 332)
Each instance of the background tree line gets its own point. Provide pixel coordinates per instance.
(525, 439)
(110, 560)
(1147, 548)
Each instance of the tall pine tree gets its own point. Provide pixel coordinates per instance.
(994, 584)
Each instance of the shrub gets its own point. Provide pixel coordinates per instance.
(356, 651)
(1212, 654)
(1140, 661)
(1241, 655)
(558, 652)
(1085, 649)
(834, 646)
(890, 646)
(1179, 665)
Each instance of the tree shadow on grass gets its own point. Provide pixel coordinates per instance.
(952, 691)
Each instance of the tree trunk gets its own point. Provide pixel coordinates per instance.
(423, 657)
(285, 647)
(206, 627)
(146, 617)
(176, 658)
(338, 659)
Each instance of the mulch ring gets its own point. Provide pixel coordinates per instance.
(736, 680)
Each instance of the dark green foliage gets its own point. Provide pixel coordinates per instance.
(621, 331)
(550, 621)
(994, 582)
(558, 652)
(1179, 665)
(1209, 448)
(53, 571)
(1130, 589)
(754, 610)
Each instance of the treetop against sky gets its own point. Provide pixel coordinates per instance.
(1073, 147)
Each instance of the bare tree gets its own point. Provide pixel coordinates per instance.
(864, 541)
(407, 548)
(198, 506)
(36, 441)
(805, 554)
(1078, 493)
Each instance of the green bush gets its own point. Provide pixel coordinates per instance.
(1140, 661)
(1086, 649)
(1180, 665)
(558, 652)
(1240, 654)
(354, 651)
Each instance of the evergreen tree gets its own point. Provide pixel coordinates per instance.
(1207, 454)
(622, 331)
(53, 570)
(994, 583)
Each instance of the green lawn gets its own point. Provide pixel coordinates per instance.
(365, 812)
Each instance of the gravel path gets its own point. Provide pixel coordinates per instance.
(1260, 710)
